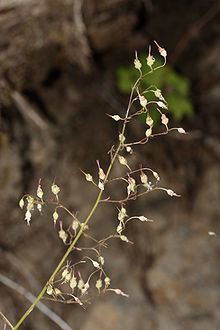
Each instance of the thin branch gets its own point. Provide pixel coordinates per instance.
(6, 320)
(193, 30)
(28, 111)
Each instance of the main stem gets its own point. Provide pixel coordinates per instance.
(80, 232)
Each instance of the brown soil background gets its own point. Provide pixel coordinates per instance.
(58, 61)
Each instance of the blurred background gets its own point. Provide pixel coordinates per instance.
(64, 64)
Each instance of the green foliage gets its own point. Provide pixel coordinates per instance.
(175, 87)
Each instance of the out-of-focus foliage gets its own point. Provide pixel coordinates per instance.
(174, 86)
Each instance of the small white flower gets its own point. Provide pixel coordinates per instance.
(21, 203)
(101, 260)
(57, 291)
(158, 94)
(119, 292)
(131, 188)
(164, 119)
(137, 63)
(116, 117)
(156, 175)
(101, 185)
(101, 174)
(75, 225)
(171, 193)
(68, 277)
(80, 284)
(55, 189)
(85, 288)
(55, 216)
(95, 264)
(107, 281)
(124, 238)
(119, 228)
(39, 207)
(181, 130)
(149, 120)
(143, 101)
(88, 177)
(62, 235)
(40, 192)
(144, 178)
(161, 50)
(28, 216)
(129, 149)
(122, 214)
(148, 132)
(64, 273)
(30, 203)
(73, 282)
(121, 138)
(123, 161)
(161, 105)
(98, 284)
(144, 219)
(49, 290)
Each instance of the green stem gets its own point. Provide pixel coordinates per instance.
(80, 232)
